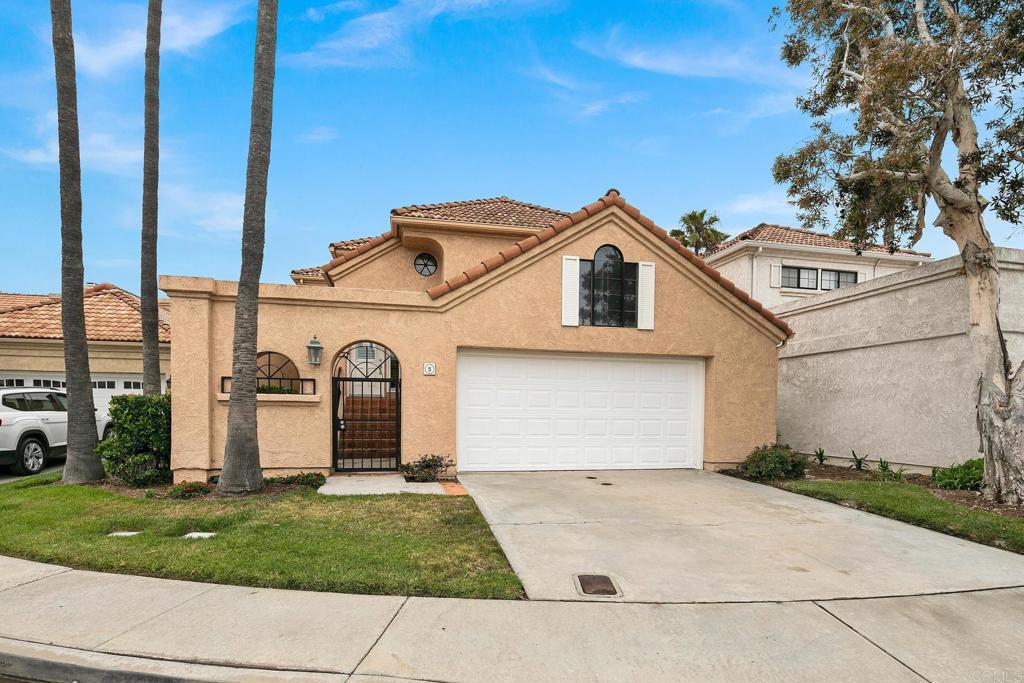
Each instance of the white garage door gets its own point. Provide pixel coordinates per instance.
(560, 411)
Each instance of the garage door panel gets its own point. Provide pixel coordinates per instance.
(568, 411)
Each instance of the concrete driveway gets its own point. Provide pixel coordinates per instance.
(696, 536)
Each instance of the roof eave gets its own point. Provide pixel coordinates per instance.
(740, 246)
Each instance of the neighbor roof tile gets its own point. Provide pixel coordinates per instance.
(783, 234)
(111, 314)
(493, 211)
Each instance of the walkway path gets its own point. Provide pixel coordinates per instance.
(58, 624)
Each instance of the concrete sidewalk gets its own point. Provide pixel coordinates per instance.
(57, 624)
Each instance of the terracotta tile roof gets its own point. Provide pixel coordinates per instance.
(782, 234)
(314, 271)
(348, 245)
(494, 211)
(366, 246)
(111, 314)
(13, 300)
(611, 198)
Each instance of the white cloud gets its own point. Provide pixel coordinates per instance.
(596, 107)
(100, 150)
(544, 73)
(321, 12)
(692, 59)
(217, 212)
(186, 25)
(772, 202)
(381, 38)
(319, 135)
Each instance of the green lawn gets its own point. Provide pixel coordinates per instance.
(394, 544)
(914, 504)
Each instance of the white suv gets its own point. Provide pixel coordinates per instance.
(34, 427)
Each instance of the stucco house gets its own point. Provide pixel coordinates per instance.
(506, 335)
(778, 265)
(32, 341)
(885, 367)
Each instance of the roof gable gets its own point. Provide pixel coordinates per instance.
(611, 199)
(111, 314)
(783, 235)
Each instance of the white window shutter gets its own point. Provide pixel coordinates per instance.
(776, 275)
(645, 296)
(862, 276)
(570, 291)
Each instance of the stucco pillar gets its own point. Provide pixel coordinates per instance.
(192, 390)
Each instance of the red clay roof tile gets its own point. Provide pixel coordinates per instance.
(493, 211)
(111, 314)
(782, 234)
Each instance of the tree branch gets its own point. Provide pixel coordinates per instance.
(922, 26)
(913, 176)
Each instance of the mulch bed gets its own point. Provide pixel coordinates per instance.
(160, 490)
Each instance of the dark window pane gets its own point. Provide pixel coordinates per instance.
(790, 277)
(39, 402)
(829, 279)
(847, 279)
(15, 401)
(58, 402)
(586, 292)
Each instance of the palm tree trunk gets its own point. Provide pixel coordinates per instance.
(82, 462)
(242, 471)
(150, 182)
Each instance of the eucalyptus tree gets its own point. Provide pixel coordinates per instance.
(242, 472)
(916, 107)
(150, 183)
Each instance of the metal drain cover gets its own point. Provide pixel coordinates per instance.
(597, 584)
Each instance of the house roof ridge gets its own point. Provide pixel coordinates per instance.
(611, 198)
(403, 210)
(755, 232)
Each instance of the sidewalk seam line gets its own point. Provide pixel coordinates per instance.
(155, 616)
(65, 570)
(889, 654)
(379, 636)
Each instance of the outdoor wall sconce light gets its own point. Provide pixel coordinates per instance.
(315, 350)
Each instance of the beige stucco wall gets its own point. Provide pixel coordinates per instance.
(515, 307)
(885, 368)
(47, 355)
(750, 269)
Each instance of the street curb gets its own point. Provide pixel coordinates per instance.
(56, 664)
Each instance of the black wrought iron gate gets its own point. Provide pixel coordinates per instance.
(367, 414)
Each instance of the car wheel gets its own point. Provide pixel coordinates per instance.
(107, 433)
(31, 456)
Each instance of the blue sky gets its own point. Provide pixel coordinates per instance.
(680, 105)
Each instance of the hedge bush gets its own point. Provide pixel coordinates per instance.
(774, 461)
(311, 479)
(967, 476)
(427, 468)
(139, 450)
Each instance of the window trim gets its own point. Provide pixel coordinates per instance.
(799, 278)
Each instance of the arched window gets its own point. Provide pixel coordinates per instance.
(276, 374)
(608, 289)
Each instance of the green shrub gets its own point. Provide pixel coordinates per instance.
(859, 462)
(139, 451)
(311, 479)
(819, 455)
(967, 476)
(428, 468)
(774, 461)
(885, 472)
(274, 389)
(188, 489)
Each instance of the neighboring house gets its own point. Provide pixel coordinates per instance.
(777, 265)
(32, 348)
(885, 367)
(507, 335)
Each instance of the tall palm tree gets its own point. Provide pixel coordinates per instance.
(82, 462)
(242, 470)
(150, 182)
(696, 231)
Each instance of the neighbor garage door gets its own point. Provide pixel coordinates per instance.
(561, 411)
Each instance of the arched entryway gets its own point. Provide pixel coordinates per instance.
(367, 411)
